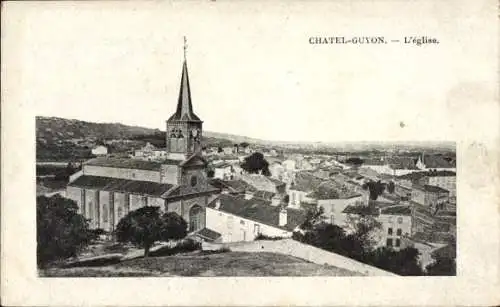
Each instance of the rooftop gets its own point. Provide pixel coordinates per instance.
(397, 210)
(259, 210)
(361, 210)
(121, 185)
(332, 190)
(130, 163)
(430, 188)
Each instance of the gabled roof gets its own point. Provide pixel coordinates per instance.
(124, 163)
(130, 163)
(397, 210)
(208, 234)
(184, 110)
(430, 188)
(258, 210)
(121, 185)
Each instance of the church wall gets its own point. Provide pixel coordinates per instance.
(169, 174)
(123, 173)
(105, 206)
(137, 201)
(75, 194)
(200, 175)
(188, 203)
(92, 203)
(175, 207)
(120, 205)
(157, 202)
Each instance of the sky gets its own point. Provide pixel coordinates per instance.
(253, 71)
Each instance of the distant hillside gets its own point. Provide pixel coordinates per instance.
(52, 129)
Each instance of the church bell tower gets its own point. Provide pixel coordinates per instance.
(184, 128)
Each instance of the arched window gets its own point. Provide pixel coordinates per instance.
(195, 218)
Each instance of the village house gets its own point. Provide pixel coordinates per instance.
(264, 183)
(436, 162)
(239, 218)
(100, 150)
(150, 153)
(223, 171)
(303, 184)
(106, 189)
(395, 223)
(334, 197)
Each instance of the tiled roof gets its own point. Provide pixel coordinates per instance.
(430, 188)
(362, 210)
(435, 161)
(397, 210)
(306, 182)
(208, 234)
(121, 185)
(129, 163)
(264, 194)
(235, 186)
(418, 175)
(332, 190)
(259, 210)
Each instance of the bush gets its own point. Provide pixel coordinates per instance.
(264, 237)
(215, 251)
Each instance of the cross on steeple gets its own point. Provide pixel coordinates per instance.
(185, 47)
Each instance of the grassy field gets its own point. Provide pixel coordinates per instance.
(199, 264)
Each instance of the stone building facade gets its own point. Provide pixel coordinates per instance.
(106, 189)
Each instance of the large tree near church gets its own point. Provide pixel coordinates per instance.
(146, 225)
(61, 231)
(255, 163)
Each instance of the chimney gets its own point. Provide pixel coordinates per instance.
(275, 201)
(217, 204)
(248, 194)
(283, 216)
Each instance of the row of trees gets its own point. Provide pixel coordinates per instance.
(63, 233)
(361, 246)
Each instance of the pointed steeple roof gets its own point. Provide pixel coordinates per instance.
(184, 110)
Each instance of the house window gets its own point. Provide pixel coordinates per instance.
(389, 242)
(400, 220)
(398, 242)
(389, 231)
(256, 228)
(242, 222)
(399, 232)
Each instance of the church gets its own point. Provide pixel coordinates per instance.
(106, 189)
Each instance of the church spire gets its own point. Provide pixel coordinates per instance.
(184, 110)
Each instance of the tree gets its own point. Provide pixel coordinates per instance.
(402, 262)
(391, 187)
(144, 226)
(313, 217)
(244, 144)
(255, 163)
(354, 161)
(219, 149)
(442, 267)
(376, 188)
(61, 231)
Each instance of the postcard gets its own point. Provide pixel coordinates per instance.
(250, 153)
